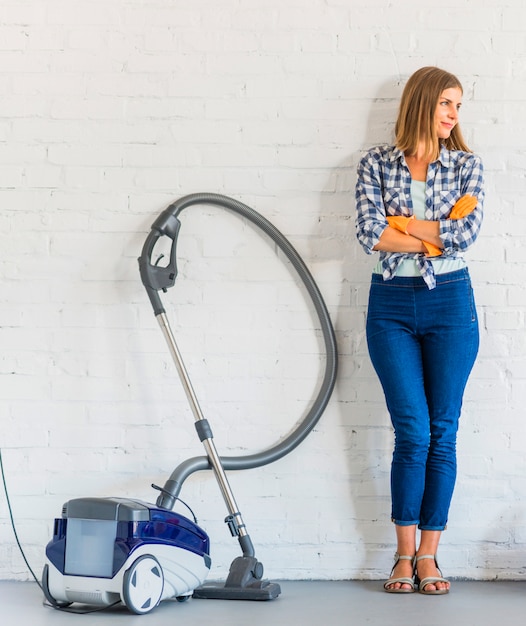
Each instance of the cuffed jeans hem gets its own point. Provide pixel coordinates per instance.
(417, 523)
(425, 527)
(398, 522)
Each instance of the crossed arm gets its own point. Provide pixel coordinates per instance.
(407, 234)
(418, 231)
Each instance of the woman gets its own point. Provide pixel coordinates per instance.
(419, 204)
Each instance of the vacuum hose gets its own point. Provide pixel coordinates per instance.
(156, 278)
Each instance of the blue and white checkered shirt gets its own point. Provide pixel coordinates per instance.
(384, 188)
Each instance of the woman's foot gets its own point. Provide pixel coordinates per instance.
(401, 578)
(428, 576)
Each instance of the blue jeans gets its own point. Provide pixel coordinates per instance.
(423, 344)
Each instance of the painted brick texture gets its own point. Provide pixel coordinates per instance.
(111, 110)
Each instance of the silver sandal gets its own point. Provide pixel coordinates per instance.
(404, 580)
(430, 580)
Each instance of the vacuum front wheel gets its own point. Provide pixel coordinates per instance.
(143, 584)
(183, 598)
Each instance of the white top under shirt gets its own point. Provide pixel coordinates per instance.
(408, 267)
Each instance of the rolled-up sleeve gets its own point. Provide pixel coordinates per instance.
(370, 212)
(459, 235)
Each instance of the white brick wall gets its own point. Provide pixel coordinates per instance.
(110, 110)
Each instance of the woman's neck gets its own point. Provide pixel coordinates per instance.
(417, 165)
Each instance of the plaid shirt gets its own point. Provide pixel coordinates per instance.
(384, 188)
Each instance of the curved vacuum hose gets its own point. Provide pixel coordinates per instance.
(157, 278)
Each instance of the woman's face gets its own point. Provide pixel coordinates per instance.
(446, 115)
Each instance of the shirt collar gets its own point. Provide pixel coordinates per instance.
(396, 154)
(444, 155)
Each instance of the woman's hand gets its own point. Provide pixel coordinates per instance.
(462, 207)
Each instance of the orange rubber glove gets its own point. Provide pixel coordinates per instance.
(462, 207)
(431, 249)
(400, 222)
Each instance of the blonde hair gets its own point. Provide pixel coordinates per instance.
(416, 115)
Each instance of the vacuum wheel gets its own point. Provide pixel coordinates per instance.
(183, 598)
(143, 584)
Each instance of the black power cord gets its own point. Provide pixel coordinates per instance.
(13, 526)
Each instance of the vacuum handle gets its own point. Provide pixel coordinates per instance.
(153, 276)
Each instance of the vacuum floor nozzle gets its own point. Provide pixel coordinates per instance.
(244, 582)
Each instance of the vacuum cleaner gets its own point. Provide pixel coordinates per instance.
(110, 550)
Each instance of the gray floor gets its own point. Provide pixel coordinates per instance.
(307, 603)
